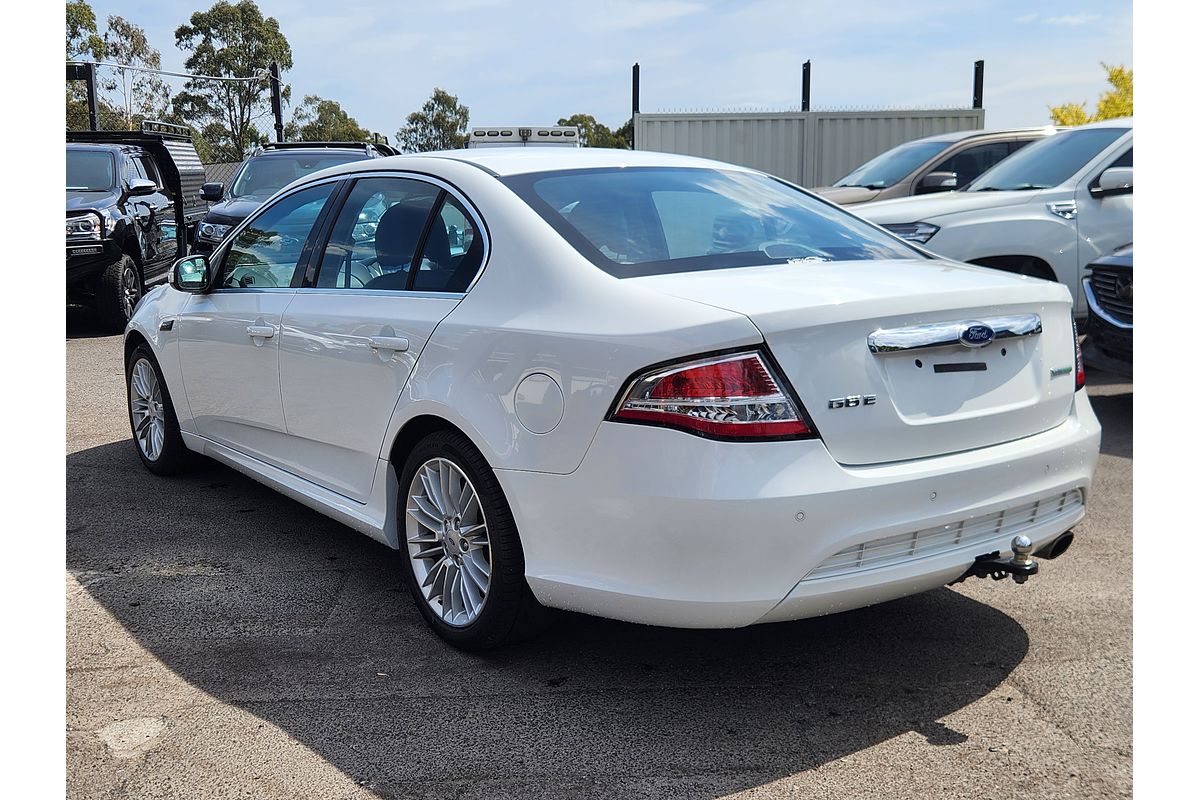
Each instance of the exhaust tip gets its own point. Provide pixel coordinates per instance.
(1057, 547)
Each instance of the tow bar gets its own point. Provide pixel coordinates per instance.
(1020, 566)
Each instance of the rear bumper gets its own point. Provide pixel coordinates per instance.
(660, 527)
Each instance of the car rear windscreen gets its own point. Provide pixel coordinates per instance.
(633, 221)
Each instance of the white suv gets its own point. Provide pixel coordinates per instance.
(1046, 211)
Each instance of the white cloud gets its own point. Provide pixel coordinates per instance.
(621, 16)
(1027, 18)
(1072, 20)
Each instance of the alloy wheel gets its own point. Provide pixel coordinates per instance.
(447, 537)
(146, 408)
(130, 290)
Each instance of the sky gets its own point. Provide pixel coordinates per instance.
(533, 62)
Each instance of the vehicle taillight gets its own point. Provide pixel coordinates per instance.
(1080, 375)
(734, 396)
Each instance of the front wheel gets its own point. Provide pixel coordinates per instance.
(152, 416)
(464, 563)
(118, 292)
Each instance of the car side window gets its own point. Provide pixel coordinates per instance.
(375, 238)
(1125, 159)
(147, 166)
(266, 252)
(972, 162)
(453, 251)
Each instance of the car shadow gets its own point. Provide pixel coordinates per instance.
(270, 607)
(82, 323)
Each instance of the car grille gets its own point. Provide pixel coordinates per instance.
(965, 534)
(1106, 284)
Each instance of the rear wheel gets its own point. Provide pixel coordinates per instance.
(464, 563)
(118, 292)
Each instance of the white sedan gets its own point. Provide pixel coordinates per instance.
(642, 386)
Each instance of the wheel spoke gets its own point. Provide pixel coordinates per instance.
(423, 516)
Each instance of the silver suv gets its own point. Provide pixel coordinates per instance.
(934, 164)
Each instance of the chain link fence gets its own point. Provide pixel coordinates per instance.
(126, 96)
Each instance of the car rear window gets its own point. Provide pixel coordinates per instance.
(632, 221)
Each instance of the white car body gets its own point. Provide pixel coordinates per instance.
(1065, 227)
(635, 522)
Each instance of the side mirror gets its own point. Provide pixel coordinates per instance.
(938, 182)
(212, 192)
(191, 275)
(1114, 180)
(140, 187)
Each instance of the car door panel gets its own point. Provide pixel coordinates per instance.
(344, 359)
(351, 339)
(229, 338)
(1105, 223)
(231, 370)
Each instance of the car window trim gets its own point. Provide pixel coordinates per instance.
(223, 250)
(414, 266)
(481, 228)
(324, 228)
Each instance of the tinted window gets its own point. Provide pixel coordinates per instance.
(644, 221)
(266, 252)
(970, 163)
(1126, 159)
(147, 166)
(89, 171)
(1049, 162)
(889, 167)
(265, 175)
(376, 235)
(452, 253)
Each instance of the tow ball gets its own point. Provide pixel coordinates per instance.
(990, 565)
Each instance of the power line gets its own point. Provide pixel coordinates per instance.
(260, 76)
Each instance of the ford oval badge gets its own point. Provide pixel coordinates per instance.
(976, 334)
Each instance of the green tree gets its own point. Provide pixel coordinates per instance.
(595, 134)
(230, 41)
(320, 120)
(441, 124)
(83, 40)
(83, 44)
(139, 95)
(1114, 103)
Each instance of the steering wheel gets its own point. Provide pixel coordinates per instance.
(252, 278)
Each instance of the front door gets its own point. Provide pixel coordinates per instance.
(352, 335)
(229, 338)
(1105, 222)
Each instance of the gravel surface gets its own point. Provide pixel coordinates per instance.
(224, 641)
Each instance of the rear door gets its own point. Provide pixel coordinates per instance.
(229, 338)
(399, 255)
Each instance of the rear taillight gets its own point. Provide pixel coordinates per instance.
(1080, 375)
(736, 396)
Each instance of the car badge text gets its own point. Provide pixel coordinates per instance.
(976, 334)
(852, 401)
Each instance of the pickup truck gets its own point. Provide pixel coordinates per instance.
(133, 203)
(1047, 211)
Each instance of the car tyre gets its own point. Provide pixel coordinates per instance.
(118, 292)
(430, 547)
(152, 419)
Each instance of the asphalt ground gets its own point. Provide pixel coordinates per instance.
(224, 641)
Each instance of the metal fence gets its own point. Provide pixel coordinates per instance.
(811, 148)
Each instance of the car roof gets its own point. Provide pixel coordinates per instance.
(958, 136)
(108, 148)
(504, 161)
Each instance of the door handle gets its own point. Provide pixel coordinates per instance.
(260, 331)
(395, 343)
